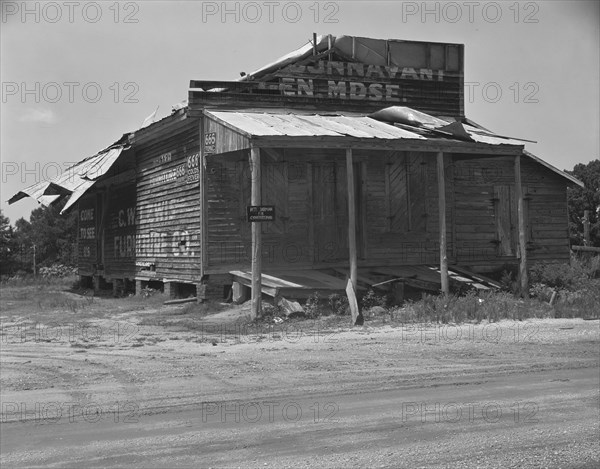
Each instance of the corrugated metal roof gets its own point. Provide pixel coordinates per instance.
(296, 125)
(425, 127)
(261, 124)
(73, 182)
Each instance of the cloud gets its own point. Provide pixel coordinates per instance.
(45, 116)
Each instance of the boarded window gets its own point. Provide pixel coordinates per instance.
(507, 222)
(405, 188)
(504, 220)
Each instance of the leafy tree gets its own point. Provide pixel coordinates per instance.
(53, 235)
(7, 245)
(587, 198)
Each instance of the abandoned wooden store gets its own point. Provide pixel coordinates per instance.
(352, 157)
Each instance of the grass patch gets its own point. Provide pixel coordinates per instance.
(488, 306)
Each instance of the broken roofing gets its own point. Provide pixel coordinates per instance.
(366, 50)
(391, 123)
(74, 182)
(394, 122)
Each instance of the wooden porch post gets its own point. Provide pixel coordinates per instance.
(524, 281)
(255, 199)
(351, 218)
(442, 222)
(586, 227)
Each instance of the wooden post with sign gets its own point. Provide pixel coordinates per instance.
(255, 199)
(442, 223)
(524, 281)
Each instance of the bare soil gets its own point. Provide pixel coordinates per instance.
(102, 382)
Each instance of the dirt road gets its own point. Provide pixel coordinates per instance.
(121, 392)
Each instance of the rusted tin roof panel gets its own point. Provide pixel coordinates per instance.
(74, 181)
(263, 124)
(78, 193)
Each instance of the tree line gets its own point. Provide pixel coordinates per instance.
(48, 237)
(51, 238)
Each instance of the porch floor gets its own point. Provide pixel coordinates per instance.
(298, 285)
(301, 284)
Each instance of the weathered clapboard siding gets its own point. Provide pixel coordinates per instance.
(227, 189)
(218, 138)
(486, 217)
(168, 230)
(547, 211)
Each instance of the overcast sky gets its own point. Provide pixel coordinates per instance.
(77, 75)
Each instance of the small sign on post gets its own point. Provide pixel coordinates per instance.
(259, 213)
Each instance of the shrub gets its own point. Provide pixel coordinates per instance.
(338, 304)
(147, 292)
(57, 271)
(371, 299)
(578, 293)
(312, 309)
(508, 280)
(269, 310)
(472, 307)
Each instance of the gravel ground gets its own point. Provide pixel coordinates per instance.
(162, 371)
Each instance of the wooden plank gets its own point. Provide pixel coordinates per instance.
(256, 309)
(352, 301)
(388, 197)
(478, 277)
(351, 218)
(442, 223)
(362, 227)
(308, 280)
(524, 282)
(203, 202)
(310, 216)
(503, 220)
(585, 248)
(411, 275)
